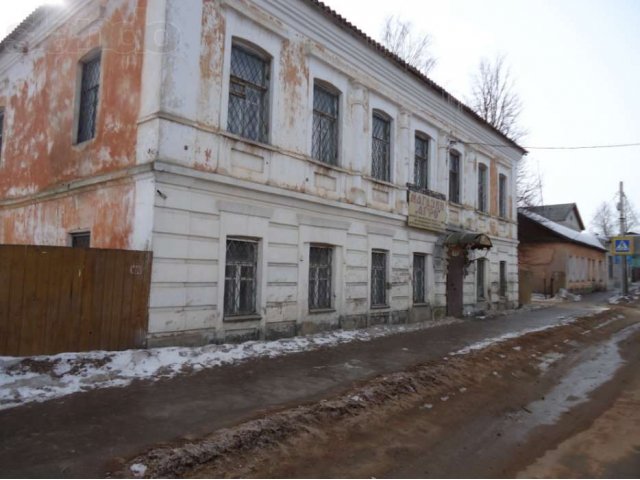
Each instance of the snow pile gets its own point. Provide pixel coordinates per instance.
(40, 378)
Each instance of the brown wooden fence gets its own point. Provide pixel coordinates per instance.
(61, 299)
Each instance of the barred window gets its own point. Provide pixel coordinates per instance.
(503, 279)
(89, 93)
(320, 277)
(325, 125)
(1, 129)
(381, 148)
(454, 177)
(240, 278)
(421, 162)
(482, 187)
(248, 114)
(480, 277)
(378, 278)
(502, 195)
(419, 278)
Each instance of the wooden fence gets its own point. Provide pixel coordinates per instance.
(61, 299)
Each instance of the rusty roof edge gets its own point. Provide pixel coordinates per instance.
(351, 28)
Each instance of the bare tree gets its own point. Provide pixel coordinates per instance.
(400, 38)
(528, 185)
(631, 215)
(603, 221)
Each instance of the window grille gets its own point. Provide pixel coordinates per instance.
(248, 95)
(320, 277)
(325, 125)
(419, 278)
(502, 196)
(240, 278)
(381, 148)
(421, 163)
(89, 90)
(482, 187)
(480, 274)
(378, 279)
(81, 239)
(454, 177)
(503, 279)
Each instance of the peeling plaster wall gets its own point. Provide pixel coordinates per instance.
(38, 89)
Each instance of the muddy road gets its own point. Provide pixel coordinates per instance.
(561, 402)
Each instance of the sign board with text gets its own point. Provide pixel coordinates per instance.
(427, 212)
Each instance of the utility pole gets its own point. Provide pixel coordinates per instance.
(623, 231)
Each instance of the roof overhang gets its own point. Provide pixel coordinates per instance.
(473, 241)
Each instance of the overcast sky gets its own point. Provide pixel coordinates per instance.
(577, 70)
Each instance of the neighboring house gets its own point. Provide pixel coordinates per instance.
(288, 173)
(554, 255)
(566, 214)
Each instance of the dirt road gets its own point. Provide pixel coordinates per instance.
(562, 402)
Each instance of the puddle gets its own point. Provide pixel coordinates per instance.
(581, 380)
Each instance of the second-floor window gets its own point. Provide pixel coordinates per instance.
(248, 114)
(482, 187)
(325, 125)
(89, 94)
(381, 147)
(1, 129)
(502, 196)
(421, 162)
(454, 177)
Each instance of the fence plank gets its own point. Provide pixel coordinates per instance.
(56, 299)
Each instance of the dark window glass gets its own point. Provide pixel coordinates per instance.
(503, 279)
(89, 90)
(480, 275)
(482, 187)
(81, 239)
(240, 278)
(419, 278)
(1, 129)
(320, 277)
(421, 162)
(378, 279)
(502, 196)
(381, 148)
(325, 125)
(248, 95)
(454, 177)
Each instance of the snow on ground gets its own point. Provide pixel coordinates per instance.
(40, 378)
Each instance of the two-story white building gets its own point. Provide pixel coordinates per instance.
(287, 171)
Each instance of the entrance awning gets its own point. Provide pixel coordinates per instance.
(468, 240)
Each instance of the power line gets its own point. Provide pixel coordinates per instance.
(575, 147)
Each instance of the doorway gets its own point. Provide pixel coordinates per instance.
(455, 273)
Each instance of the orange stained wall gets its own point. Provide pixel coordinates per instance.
(39, 97)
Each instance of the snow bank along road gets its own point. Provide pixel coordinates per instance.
(518, 404)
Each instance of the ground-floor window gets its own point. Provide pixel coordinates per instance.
(378, 278)
(320, 259)
(480, 276)
(503, 279)
(419, 277)
(240, 277)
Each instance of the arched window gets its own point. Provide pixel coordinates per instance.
(248, 114)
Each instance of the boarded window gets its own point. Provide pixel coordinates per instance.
(480, 277)
(325, 125)
(503, 279)
(381, 148)
(81, 239)
(502, 196)
(421, 162)
(248, 95)
(240, 278)
(378, 278)
(320, 259)
(482, 187)
(89, 93)
(454, 177)
(419, 278)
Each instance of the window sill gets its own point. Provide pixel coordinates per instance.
(384, 183)
(380, 307)
(321, 310)
(84, 143)
(248, 141)
(421, 305)
(455, 204)
(242, 318)
(330, 166)
(483, 213)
